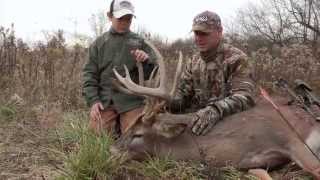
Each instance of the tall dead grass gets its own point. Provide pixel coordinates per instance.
(49, 74)
(296, 61)
(45, 73)
(47, 78)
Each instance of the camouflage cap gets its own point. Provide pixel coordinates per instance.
(206, 21)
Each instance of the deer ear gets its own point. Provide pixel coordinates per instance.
(170, 130)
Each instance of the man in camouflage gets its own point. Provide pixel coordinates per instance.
(216, 81)
(115, 48)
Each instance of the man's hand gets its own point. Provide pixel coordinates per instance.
(139, 55)
(95, 111)
(204, 120)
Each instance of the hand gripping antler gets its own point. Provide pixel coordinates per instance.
(161, 91)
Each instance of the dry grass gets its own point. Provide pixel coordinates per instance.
(43, 131)
(292, 62)
(24, 146)
(45, 73)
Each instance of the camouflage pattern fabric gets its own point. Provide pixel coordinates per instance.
(205, 119)
(219, 79)
(206, 22)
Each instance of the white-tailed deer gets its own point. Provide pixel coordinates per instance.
(256, 138)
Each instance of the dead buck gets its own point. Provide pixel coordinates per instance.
(256, 138)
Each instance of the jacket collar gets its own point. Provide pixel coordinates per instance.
(114, 32)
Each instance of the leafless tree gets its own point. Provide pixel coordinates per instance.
(306, 13)
(282, 21)
(267, 19)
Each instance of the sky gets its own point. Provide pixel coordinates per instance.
(170, 19)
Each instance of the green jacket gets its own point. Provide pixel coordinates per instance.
(106, 52)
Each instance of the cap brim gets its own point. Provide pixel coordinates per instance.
(201, 29)
(122, 12)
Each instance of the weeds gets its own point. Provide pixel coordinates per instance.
(230, 173)
(87, 156)
(92, 159)
(7, 113)
(49, 74)
(165, 168)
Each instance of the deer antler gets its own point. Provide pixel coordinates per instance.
(160, 91)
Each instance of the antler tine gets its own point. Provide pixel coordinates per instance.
(155, 80)
(141, 73)
(177, 75)
(124, 80)
(120, 87)
(162, 69)
(152, 77)
(140, 90)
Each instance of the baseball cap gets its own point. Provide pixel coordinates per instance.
(122, 8)
(206, 21)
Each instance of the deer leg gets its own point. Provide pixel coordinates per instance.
(268, 159)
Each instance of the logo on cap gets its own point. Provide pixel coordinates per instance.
(201, 19)
(206, 21)
(126, 4)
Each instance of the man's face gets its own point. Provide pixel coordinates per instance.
(207, 40)
(122, 24)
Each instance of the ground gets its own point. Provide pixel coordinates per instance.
(25, 151)
(29, 149)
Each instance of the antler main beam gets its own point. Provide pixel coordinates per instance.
(161, 91)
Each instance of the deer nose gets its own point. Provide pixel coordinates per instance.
(137, 143)
(137, 136)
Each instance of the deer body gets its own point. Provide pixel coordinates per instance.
(252, 139)
(258, 137)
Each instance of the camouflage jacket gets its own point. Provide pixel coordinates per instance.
(219, 78)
